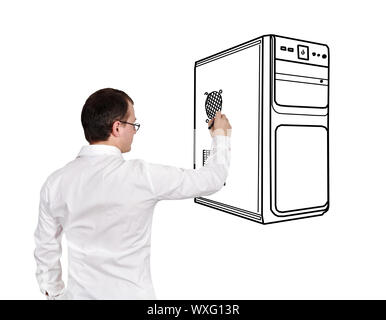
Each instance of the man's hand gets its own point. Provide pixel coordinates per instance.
(221, 125)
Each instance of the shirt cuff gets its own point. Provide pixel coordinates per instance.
(51, 292)
(54, 297)
(221, 142)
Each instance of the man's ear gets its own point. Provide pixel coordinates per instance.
(115, 129)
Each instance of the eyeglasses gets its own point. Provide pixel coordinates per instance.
(135, 125)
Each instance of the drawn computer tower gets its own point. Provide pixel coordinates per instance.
(275, 92)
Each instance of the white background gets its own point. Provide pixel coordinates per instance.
(53, 55)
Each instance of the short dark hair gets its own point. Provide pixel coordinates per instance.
(100, 111)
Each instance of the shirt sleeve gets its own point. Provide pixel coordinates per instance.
(172, 183)
(48, 236)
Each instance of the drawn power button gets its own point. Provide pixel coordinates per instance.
(302, 52)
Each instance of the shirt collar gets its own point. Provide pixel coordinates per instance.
(99, 150)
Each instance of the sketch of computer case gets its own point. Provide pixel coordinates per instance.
(275, 92)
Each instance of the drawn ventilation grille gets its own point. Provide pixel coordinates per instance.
(213, 103)
(205, 155)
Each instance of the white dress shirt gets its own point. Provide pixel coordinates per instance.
(104, 205)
